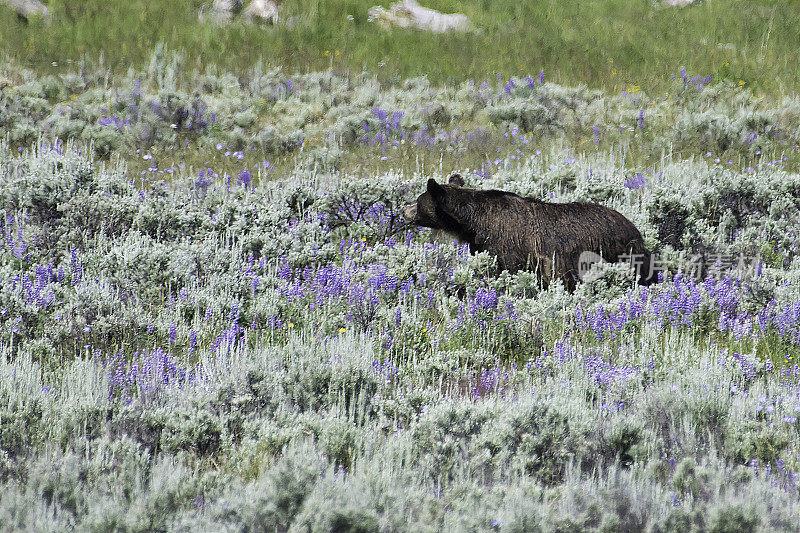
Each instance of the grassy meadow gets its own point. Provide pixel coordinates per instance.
(603, 44)
(213, 317)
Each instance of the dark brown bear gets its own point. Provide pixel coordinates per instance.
(555, 240)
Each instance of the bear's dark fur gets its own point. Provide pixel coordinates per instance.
(526, 233)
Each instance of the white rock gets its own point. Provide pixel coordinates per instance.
(28, 8)
(223, 11)
(409, 14)
(264, 10)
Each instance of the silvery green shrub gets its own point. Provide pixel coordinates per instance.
(166, 103)
(211, 354)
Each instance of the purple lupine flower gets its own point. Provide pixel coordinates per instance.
(563, 352)
(75, 267)
(379, 113)
(487, 299)
(397, 116)
(636, 182)
(144, 371)
(244, 178)
(201, 183)
(510, 312)
(192, 342)
(431, 298)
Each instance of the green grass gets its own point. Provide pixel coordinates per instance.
(605, 44)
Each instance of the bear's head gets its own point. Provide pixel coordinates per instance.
(432, 209)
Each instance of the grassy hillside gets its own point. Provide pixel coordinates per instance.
(168, 113)
(221, 353)
(605, 44)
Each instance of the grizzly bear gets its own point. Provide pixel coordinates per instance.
(553, 239)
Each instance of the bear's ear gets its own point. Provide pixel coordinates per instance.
(436, 190)
(456, 180)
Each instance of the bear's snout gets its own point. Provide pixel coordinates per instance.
(410, 212)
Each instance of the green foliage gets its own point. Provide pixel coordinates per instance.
(21, 428)
(731, 519)
(202, 353)
(172, 106)
(610, 45)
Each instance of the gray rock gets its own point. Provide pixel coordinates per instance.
(264, 10)
(28, 8)
(409, 14)
(223, 11)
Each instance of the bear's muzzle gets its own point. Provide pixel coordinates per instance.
(410, 212)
